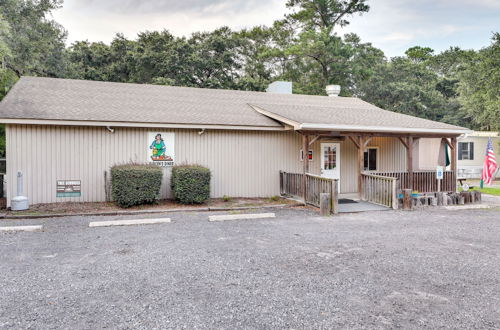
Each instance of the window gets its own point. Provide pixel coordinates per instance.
(310, 155)
(371, 159)
(465, 150)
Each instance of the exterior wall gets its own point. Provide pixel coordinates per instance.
(391, 157)
(243, 163)
(473, 168)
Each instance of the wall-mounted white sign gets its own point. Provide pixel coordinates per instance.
(161, 148)
(439, 172)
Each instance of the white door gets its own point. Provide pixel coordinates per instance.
(330, 160)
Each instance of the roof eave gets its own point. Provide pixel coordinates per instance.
(381, 129)
(57, 122)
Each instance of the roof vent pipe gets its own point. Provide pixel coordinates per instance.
(280, 87)
(332, 90)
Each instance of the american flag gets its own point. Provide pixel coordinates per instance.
(490, 164)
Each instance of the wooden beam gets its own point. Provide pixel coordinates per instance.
(365, 144)
(305, 165)
(361, 164)
(445, 140)
(313, 140)
(409, 161)
(403, 142)
(353, 139)
(454, 157)
(421, 135)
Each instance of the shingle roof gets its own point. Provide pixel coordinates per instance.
(82, 100)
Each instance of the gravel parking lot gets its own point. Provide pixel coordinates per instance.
(393, 269)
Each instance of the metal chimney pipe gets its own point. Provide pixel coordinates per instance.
(332, 90)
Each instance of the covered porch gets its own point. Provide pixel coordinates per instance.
(365, 171)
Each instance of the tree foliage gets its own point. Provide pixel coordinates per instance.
(455, 86)
(479, 87)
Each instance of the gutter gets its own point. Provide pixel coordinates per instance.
(380, 129)
(110, 124)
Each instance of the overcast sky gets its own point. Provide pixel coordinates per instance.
(392, 25)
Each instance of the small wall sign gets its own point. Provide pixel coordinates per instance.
(161, 148)
(68, 188)
(439, 172)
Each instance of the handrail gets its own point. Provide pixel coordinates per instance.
(379, 176)
(379, 189)
(291, 184)
(423, 181)
(319, 177)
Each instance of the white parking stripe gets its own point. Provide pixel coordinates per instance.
(225, 217)
(21, 228)
(128, 222)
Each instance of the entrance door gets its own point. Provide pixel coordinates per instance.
(330, 160)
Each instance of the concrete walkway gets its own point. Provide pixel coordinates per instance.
(361, 206)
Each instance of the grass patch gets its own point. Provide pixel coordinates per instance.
(490, 191)
(487, 190)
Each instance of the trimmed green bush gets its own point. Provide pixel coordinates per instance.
(191, 184)
(136, 184)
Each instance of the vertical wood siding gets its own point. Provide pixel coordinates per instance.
(243, 163)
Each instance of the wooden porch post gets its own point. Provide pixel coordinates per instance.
(361, 164)
(453, 151)
(305, 165)
(409, 161)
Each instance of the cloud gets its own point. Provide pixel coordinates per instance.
(398, 36)
(393, 26)
(134, 7)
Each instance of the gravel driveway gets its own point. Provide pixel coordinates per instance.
(393, 269)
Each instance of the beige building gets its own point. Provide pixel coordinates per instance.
(64, 135)
(472, 152)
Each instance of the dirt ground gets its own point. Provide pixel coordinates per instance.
(79, 208)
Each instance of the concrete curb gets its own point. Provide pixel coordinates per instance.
(467, 207)
(228, 217)
(129, 222)
(21, 228)
(138, 212)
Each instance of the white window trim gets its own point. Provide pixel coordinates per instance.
(376, 160)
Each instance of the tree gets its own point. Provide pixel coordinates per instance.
(88, 61)
(324, 52)
(213, 60)
(405, 86)
(324, 14)
(36, 42)
(479, 87)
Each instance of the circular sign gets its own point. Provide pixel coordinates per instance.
(465, 187)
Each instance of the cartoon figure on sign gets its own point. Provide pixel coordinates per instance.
(158, 148)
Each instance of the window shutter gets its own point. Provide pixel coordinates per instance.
(471, 150)
(460, 150)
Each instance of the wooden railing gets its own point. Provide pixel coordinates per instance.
(380, 190)
(423, 181)
(291, 184)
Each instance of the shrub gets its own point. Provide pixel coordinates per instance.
(191, 184)
(274, 198)
(135, 184)
(226, 198)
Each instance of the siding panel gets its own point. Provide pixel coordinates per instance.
(243, 163)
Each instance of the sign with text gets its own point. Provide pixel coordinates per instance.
(161, 148)
(439, 172)
(68, 188)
